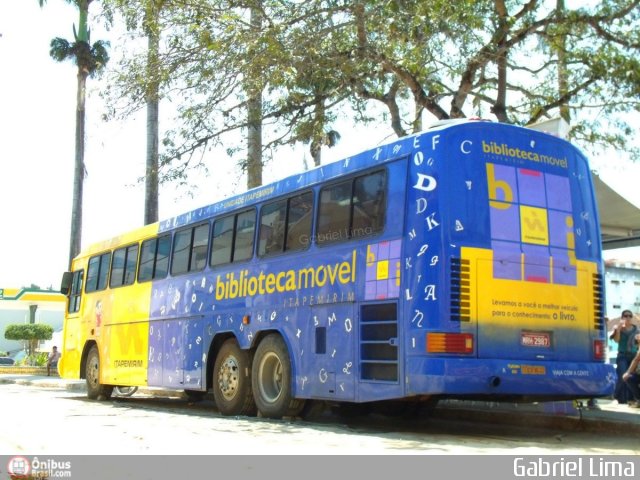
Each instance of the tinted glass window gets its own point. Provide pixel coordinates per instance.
(117, 267)
(299, 222)
(92, 274)
(245, 228)
(286, 225)
(75, 295)
(162, 257)
(222, 240)
(352, 209)
(273, 220)
(147, 259)
(130, 265)
(181, 252)
(199, 248)
(154, 258)
(369, 205)
(334, 214)
(98, 272)
(103, 276)
(190, 249)
(123, 266)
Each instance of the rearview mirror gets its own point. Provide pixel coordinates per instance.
(65, 285)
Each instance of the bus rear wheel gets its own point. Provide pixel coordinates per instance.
(95, 390)
(272, 379)
(232, 380)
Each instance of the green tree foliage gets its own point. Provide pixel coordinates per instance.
(513, 61)
(32, 333)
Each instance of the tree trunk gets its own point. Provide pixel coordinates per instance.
(254, 117)
(563, 86)
(153, 107)
(318, 139)
(79, 168)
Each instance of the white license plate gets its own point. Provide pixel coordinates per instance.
(535, 339)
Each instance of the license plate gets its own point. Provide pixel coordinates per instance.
(535, 339)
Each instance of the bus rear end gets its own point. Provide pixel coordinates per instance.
(508, 297)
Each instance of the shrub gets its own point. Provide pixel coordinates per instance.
(29, 332)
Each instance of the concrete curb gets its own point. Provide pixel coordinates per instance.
(76, 385)
(580, 423)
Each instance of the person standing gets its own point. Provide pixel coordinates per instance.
(632, 378)
(52, 361)
(624, 335)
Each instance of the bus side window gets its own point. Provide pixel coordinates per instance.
(190, 249)
(98, 272)
(244, 234)
(352, 209)
(272, 224)
(233, 238)
(222, 240)
(334, 213)
(154, 258)
(75, 294)
(369, 205)
(123, 266)
(299, 217)
(285, 225)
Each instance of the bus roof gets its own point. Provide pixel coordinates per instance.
(381, 154)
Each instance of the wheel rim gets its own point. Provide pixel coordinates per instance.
(93, 371)
(270, 372)
(229, 377)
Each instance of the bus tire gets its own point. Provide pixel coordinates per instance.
(232, 380)
(95, 390)
(272, 380)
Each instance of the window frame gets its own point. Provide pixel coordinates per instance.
(75, 293)
(126, 263)
(234, 237)
(284, 248)
(101, 267)
(192, 229)
(352, 181)
(168, 236)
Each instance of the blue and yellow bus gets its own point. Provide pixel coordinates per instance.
(461, 262)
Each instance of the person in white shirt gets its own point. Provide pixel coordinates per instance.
(52, 361)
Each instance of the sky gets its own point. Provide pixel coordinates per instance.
(37, 124)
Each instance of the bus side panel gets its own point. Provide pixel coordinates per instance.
(122, 322)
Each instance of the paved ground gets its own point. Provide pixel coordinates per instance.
(609, 417)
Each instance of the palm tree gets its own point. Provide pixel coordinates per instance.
(90, 59)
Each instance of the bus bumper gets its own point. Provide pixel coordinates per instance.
(508, 378)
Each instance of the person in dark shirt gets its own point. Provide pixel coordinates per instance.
(624, 334)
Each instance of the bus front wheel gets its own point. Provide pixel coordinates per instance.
(232, 380)
(95, 390)
(272, 379)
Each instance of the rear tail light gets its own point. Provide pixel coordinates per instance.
(449, 342)
(599, 349)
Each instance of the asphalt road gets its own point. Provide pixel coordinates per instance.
(57, 422)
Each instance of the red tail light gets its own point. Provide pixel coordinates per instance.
(449, 342)
(599, 349)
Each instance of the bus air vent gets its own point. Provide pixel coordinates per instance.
(460, 290)
(379, 342)
(598, 302)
